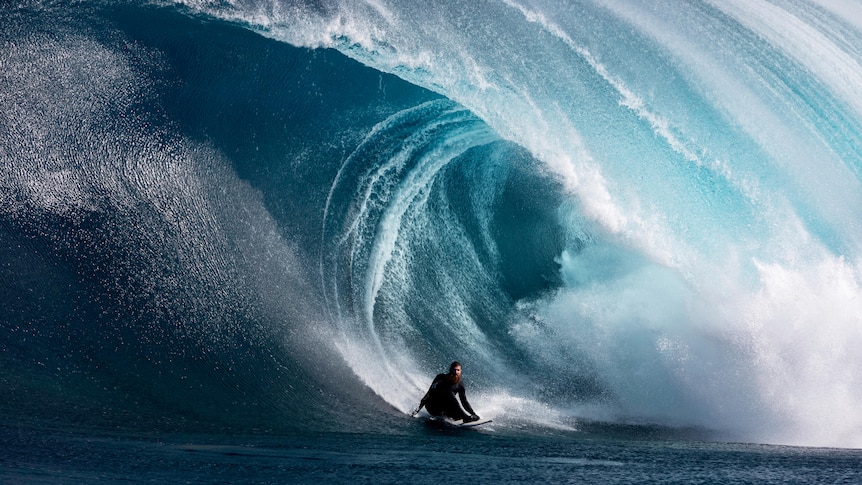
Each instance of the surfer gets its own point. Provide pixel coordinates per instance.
(441, 400)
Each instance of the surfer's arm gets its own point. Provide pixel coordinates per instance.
(423, 400)
(462, 396)
(420, 406)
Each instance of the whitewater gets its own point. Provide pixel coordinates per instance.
(282, 218)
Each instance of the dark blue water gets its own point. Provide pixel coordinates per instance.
(238, 240)
(415, 455)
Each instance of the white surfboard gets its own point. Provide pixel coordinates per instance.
(472, 424)
(459, 423)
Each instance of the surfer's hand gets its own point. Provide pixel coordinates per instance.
(415, 412)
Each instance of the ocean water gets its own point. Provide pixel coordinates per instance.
(239, 238)
(419, 456)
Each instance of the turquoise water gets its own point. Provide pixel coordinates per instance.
(636, 224)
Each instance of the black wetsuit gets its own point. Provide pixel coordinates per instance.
(441, 400)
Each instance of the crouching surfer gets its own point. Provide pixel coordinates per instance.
(447, 397)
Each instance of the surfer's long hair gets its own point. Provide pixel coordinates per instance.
(454, 378)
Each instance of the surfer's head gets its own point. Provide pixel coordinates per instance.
(455, 371)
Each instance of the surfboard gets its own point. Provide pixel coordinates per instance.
(459, 423)
(472, 424)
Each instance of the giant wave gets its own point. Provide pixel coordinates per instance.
(231, 214)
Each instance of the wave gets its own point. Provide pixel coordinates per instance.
(237, 212)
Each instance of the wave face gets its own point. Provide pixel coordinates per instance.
(232, 213)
